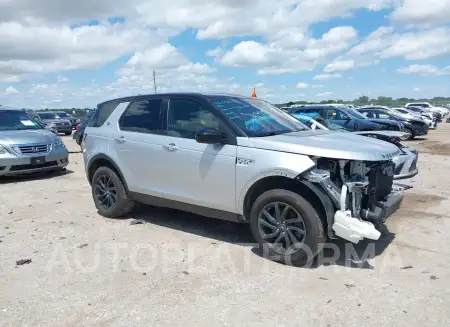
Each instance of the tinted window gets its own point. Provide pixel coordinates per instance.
(142, 117)
(334, 114)
(102, 113)
(256, 118)
(188, 117)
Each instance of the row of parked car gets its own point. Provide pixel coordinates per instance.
(297, 178)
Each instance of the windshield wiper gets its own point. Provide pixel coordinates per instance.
(267, 134)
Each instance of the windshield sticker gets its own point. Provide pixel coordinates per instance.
(28, 123)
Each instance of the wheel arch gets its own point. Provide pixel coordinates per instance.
(312, 193)
(102, 160)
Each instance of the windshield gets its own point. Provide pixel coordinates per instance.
(63, 115)
(355, 114)
(16, 120)
(257, 118)
(48, 115)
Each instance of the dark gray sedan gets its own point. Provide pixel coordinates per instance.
(52, 120)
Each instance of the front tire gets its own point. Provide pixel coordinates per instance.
(410, 132)
(109, 194)
(68, 133)
(287, 227)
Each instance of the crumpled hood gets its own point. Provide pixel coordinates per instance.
(329, 144)
(37, 136)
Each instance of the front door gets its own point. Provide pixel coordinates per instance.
(197, 174)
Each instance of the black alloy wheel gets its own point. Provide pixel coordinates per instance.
(282, 228)
(106, 192)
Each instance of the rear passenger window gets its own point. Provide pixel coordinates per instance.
(142, 117)
(102, 113)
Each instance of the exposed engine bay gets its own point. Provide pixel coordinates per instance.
(362, 191)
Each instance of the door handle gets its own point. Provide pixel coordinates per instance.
(120, 139)
(171, 147)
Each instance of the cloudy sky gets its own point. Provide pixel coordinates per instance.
(64, 53)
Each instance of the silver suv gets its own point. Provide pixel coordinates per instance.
(28, 147)
(244, 160)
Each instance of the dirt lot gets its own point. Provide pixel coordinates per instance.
(179, 269)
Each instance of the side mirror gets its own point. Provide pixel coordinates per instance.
(210, 136)
(348, 118)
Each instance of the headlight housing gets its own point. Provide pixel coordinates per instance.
(57, 143)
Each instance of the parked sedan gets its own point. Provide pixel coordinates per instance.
(53, 120)
(348, 118)
(405, 162)
(411, 126)
(432, 124)
(26, 146)
(64, 115)
(338, 115)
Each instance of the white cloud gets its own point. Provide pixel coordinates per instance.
(321, 77)
(272, 59)
(339, 66)
(416, 89)
(37, 49)
(11, 90)
(214, 52)
(302, 86)
(421, 12)
(62, 79)
(424, 70)
(384, 43)
(326, 94)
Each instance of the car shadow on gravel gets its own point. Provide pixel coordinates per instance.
(336, 252)
(33, 177)
(220, 230)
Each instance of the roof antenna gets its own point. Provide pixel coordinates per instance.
(254, 93)
(154, 80)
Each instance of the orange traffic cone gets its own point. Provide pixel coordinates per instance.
(254, 93)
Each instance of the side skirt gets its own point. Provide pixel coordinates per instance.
(198, 210)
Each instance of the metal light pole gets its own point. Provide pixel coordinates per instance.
(154, 80)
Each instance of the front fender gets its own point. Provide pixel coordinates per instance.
(259, 163)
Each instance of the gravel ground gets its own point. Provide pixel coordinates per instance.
(180, 269)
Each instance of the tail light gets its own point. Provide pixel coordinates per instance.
(78, 127)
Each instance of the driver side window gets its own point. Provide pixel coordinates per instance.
(186, 118)
(334, 114)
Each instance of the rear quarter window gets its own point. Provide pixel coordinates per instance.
(102, 114)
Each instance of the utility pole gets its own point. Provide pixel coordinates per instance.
(154, 80)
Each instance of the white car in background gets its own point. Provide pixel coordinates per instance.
(426, 105)
(412, 115)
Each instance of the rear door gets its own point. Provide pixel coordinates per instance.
(139, 143)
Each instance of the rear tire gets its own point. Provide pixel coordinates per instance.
(107, 185)
(308, 232)
(68, 133)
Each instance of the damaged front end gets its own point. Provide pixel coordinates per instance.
(362, 192)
